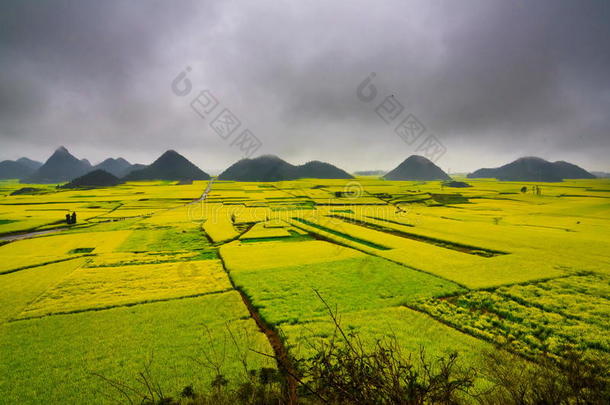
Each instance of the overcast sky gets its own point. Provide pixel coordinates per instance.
(491, 80)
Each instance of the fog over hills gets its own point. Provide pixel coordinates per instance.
(601, 174)
(534, 169)
(63, 166)
(32, 164)
(272, 168)
(417, 168)
(492, 81)
(17, 169)
(60, 167)
(118, 167)
(169, 166)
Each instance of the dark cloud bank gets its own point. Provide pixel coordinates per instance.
(493, 80)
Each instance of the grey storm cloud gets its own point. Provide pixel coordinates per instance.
(493, 80)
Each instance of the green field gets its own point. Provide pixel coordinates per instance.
(149, 274)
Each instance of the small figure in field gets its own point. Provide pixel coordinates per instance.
(73, 218)
(67, 218)
(524, 189)
(537, 190)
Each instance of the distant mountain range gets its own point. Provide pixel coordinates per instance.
(64, 167)
(272, 168)
(169, 166)
(61, 166)
(601, 174)
(18, 169)
(418, 168)
(534, 169)
(29, 163)
(118, 167)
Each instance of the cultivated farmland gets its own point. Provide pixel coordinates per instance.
(153, 275)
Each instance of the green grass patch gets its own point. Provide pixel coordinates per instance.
(286, 295)
(412, 330)
(52, 359)
(169, 239)
(535, 318)
(22, 287)
(7, 221)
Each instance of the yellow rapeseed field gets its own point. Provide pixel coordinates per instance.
(105, 287)
(267, 255)
(452, 269)
(44, 249)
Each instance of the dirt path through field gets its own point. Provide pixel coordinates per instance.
(275, 341)
(10, 238)
(280, 351)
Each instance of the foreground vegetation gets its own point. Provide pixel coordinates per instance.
(345, 370)
(150, 280)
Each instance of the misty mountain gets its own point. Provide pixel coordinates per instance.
(169, 166)
(137, 166)
(533, 169)
(18, 169)
(118, 167)
(419, 168)
(32, 164)
(601, 175)
(60, 167)
(96, 178)
(321, 170)
(10, 169)
(272, 168)
(568, 170)
(262, 168)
